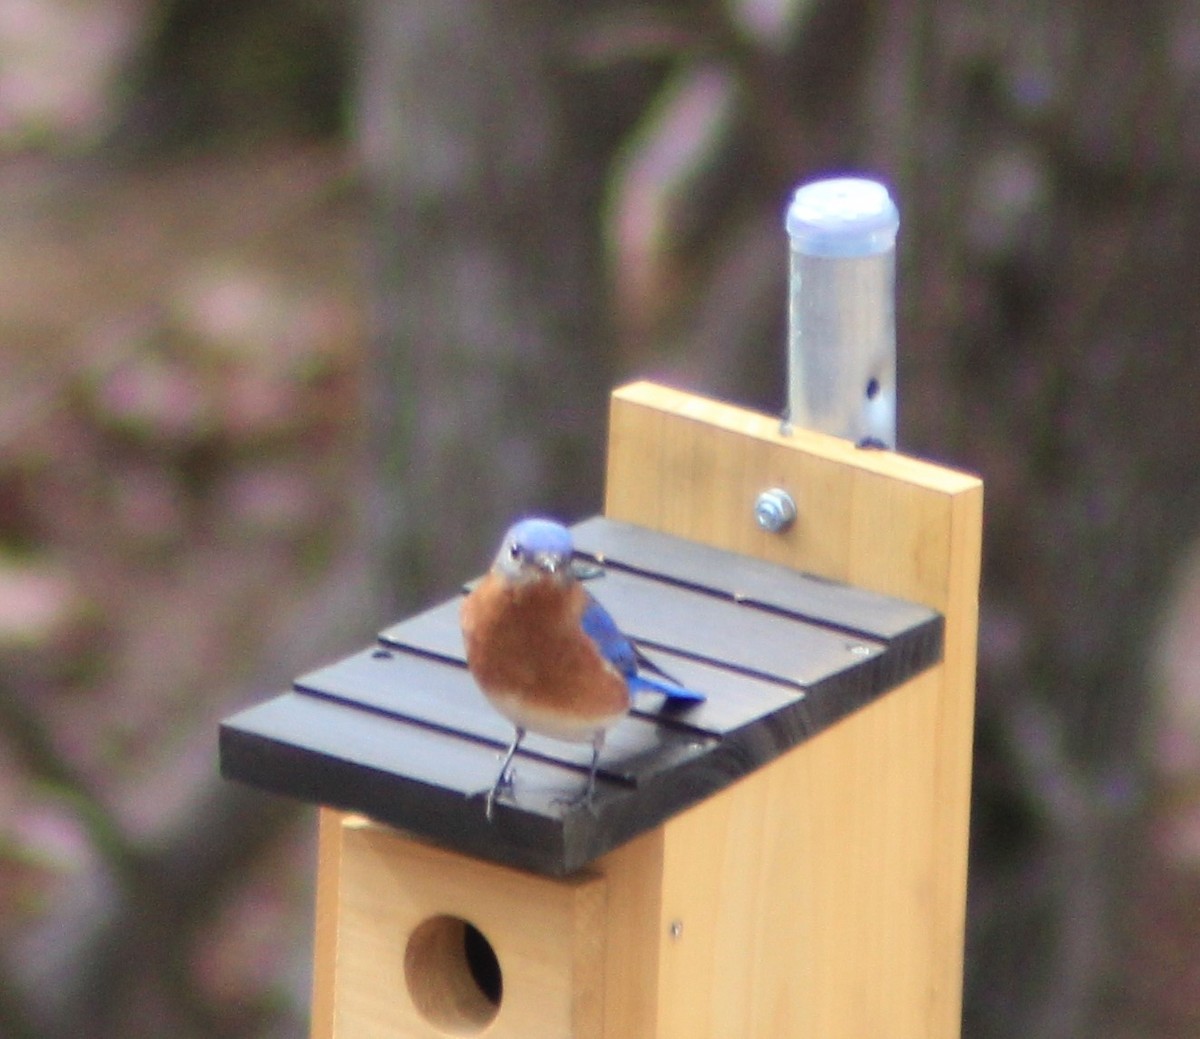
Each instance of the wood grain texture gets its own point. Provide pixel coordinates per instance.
(825, 894)
(633, 874)
(579, 958)
(693, 467)
(329, 852)
(548, 937)
(814, 896)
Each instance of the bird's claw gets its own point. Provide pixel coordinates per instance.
(586, 798)
(503, 784)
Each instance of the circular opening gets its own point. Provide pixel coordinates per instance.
(453, 975)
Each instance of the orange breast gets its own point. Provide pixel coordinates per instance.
(527, 643)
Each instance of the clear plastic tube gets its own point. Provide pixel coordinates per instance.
(841, 310)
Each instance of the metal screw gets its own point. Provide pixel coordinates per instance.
(775, 510)
(676, 930)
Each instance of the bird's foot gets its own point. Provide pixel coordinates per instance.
(586, 798)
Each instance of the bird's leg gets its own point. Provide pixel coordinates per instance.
(597, 745)
(585, 798)
(504, 777)
(589, 790)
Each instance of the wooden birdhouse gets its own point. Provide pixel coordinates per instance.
(787, 859)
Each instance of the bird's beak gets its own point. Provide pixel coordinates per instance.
(548, 561)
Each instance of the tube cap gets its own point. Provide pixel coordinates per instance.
(843, 216)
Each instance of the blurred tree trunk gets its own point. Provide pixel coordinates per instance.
(493, 364)
(1047, 164)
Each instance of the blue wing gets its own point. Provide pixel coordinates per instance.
(616, 647)
(609, 639)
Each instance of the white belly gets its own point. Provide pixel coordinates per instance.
(554, 724)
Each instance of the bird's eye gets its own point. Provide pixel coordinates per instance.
(514, 551)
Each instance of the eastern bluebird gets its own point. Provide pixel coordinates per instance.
(545, 653)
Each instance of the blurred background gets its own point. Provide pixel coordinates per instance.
(302, 301)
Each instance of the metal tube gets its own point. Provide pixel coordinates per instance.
(841, 311)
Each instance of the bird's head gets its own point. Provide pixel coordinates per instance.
(536, 548)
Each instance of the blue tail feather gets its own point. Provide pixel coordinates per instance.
(675, 693)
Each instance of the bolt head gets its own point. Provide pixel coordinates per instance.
(775, 510)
